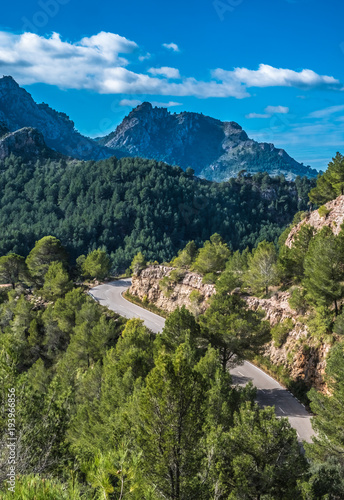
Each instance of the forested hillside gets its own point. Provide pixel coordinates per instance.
(132, 205)
(100, 409)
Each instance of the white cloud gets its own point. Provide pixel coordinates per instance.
(323, 113)
(169, 104)
(271, 110)
(132, 103)
(143, 57)
(171, 46)
(268, 76)
(257, 115)
(97, 63)
(166, 71)
(135, 102)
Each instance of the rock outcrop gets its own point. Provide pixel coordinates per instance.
(147, 285)
(27, 143)
(19, 110)
(216, 150)
(298, 354)
(334, 219)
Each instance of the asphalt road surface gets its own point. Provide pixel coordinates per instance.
(269, 392)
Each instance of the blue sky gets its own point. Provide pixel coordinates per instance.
(274, 66)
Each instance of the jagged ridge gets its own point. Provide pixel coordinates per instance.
(19, 110)
(216, 150)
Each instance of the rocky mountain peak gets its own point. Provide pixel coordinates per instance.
(216, 150)
(18, 110)
(7, 82)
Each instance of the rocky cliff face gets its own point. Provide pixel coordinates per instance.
(216, 150)
(298, 354)
(147, 285)
(27, 143)
(19, 110)
(334, 219)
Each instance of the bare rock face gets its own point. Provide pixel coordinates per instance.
(225, 150)
(334, 219)
(19, 110)
(304, 361)
(298, 354)
(147, 285)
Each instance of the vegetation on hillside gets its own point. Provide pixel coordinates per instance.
(106, 410)
(131, 205)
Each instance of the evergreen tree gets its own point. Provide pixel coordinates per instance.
(47, 250)
(185, 257)
(97, 265)
(262, 267)
(331, 183)
(12, 269)
(324, 268)
(291, 260)
(328, 421)
(212, 257)
(138, 264)
(235, 331)
(171, 415)
(264, 457)
(56, 281)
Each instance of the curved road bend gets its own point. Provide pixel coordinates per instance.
(269, 392)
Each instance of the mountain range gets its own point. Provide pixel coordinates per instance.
(214, 149)
(18, 110)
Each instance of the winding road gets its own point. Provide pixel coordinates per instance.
(269, 391)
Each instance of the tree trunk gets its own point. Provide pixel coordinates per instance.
(335, 307)
(224, 360)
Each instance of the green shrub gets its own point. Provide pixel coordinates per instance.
(210, 278)
(297, 300)
(176, 275)
(280, 332)
(323, 211)
(165, 286)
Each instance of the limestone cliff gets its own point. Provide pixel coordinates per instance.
(298, 354)
(147, 284)
(334, 219)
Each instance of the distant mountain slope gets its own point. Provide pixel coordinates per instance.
(27, 143)
(19, 110)
(216, 150)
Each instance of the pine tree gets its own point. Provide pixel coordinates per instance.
(235, 331)
(331, 183)
(13, 269)
(169, 428)
(324, 268)
(262, 267)
(47, 250)
(56, 281)
(212, 257)
(138, 264)
(97, 265)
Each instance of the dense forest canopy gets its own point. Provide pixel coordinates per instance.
(131, 205)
